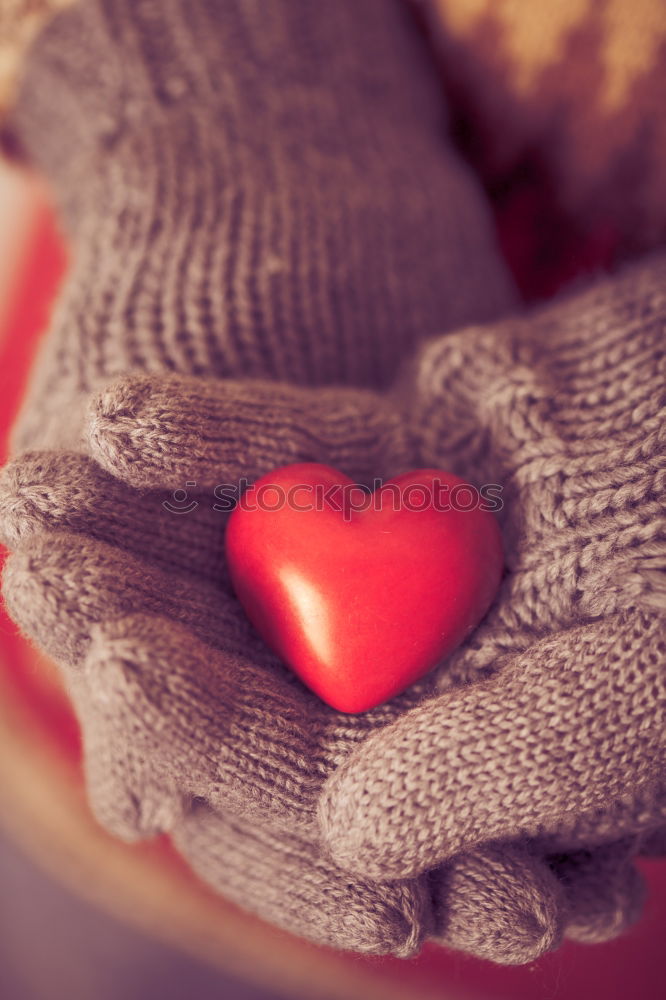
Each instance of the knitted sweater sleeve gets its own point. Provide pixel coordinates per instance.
(250, 190)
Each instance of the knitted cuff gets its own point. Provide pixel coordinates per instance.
(297, 215)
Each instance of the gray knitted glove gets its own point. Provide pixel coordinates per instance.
(191, 726)
(223, 231)
(562, 737)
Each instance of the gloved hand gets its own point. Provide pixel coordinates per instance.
(562, 736)
(189, 724)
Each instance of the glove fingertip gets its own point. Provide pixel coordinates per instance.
(15, 513)
(124, 795)
(36, 605)
(47, 490)
(498, 903)
(119, 434)
(371, 837)
(131, 781)
(284, 880)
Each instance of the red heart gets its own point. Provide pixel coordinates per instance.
(361, 603)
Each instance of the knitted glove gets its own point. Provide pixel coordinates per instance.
(563, 736)
(570, 714)
(108, 583)
(190, 725)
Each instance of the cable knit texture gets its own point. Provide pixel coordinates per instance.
(265, 216)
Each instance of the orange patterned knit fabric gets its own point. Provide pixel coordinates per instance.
(579, 86)
(20, 20)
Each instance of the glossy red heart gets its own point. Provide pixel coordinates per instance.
(360, 603)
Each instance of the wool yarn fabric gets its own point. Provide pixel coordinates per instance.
(265, 216)
(257, 220)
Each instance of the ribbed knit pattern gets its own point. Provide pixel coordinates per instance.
(263, 205)
(258, 192)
